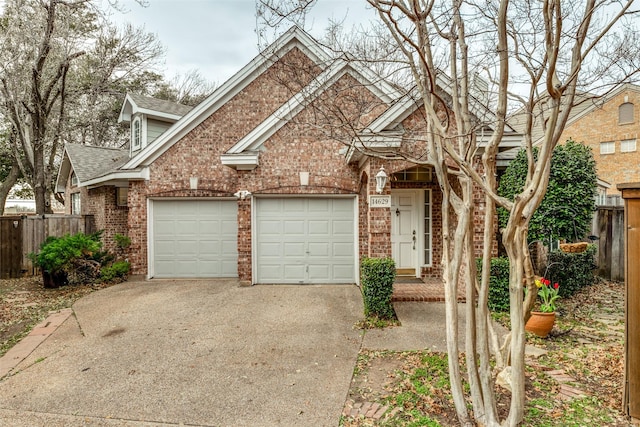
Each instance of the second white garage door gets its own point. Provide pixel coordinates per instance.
(305, 240)
(194, 238)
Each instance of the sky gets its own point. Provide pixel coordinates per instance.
(217, 37)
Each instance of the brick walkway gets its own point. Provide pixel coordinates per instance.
(413, 289)
(25, 347)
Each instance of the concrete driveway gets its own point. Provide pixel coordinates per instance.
(206, 353)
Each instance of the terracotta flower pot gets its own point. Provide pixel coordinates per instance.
(540, 323)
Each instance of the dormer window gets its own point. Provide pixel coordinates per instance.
(74, 179)
(136, 134)
(625, 113)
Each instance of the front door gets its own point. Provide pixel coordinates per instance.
(404, 231)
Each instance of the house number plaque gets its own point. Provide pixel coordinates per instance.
(379, 201)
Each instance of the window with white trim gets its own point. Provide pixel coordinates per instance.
(136, 133)
(74, 179)
(427, 227)
(122, 194)
(75, 204)
(627, 145)
(625, 113)
(608, 147)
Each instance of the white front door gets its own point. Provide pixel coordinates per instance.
(404, 231)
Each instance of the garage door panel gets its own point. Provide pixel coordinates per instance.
(292, 273)
(320, 206)
(319, 227)
(342, 228)
(305, 240)
(319, 249)
(293, 227)
(293, 250)
(320, 272)
(209, 249)
(343, 273)
(340, 249)
(294, 205)
(195, 238)
(230, 248)
(186, 226)
(270, 227)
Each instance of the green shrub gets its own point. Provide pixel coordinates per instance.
(56, 253)
(573, 271)
(71, 259)
(378, 275)
(498, 283)
(116, 272)
(568, 205)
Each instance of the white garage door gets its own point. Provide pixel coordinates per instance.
(305, 240)
(195, 238)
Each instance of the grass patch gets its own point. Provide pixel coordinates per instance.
(587, 344)
(375, 322)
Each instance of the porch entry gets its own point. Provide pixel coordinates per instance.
(410, 230)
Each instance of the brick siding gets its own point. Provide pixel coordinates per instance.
(601, 125)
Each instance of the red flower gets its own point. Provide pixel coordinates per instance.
(556, 286)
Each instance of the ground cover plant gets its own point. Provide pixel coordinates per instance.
(582, 357)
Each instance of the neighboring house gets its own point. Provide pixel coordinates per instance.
(244, 186)
(609, 125)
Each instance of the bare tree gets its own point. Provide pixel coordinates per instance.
(61, 63)
(529, 52)
(190, 88)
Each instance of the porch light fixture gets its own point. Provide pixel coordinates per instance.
(381, 180)
(242, 194)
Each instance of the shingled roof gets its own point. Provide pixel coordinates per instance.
(92, 162)
(160, 105)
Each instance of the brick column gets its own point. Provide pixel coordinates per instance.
(244, 240)
(379, 219)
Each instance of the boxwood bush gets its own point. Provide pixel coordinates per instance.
(378, 275)
(573, 271)
(498, 283)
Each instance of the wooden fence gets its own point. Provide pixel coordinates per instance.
(608, 226)
(21, 235)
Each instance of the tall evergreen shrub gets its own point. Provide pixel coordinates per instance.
(377, 277)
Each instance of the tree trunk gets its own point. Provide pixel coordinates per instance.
(7, 184)
(38, 183)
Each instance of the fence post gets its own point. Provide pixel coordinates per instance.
(631, 398)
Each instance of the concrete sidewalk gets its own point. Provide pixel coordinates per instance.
(192, 352)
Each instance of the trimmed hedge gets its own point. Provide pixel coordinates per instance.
(498, 283)
(573, 271)
(378, 275)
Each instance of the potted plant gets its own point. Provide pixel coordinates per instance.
(541, 322)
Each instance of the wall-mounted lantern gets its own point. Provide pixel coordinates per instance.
(381, 180)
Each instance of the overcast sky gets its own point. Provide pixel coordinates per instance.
(218, 37)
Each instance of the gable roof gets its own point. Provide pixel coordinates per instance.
(88, 162)
(584, 104)
(153, 107)
(251, 142)
(293, 38)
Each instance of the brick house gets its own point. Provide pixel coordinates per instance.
(245, 185)
(609, 125)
